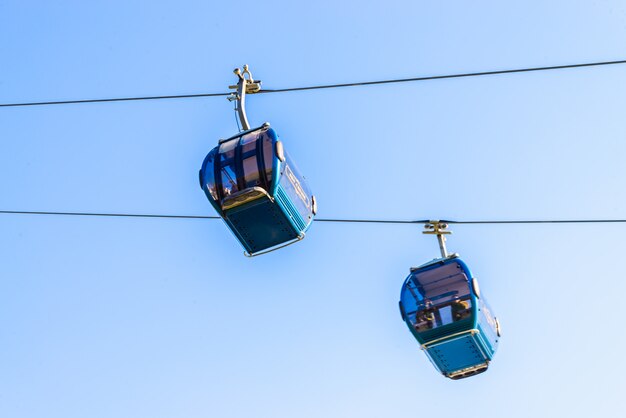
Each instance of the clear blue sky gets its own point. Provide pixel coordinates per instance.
(114, 317)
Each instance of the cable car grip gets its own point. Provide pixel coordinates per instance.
(245, 85)
(438, 228)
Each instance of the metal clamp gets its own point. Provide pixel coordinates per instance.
(438, 228)
(245, 85)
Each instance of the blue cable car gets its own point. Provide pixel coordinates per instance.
(441, 304)
(254, 185)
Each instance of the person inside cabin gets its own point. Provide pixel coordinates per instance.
(459, 309)
(425, 319)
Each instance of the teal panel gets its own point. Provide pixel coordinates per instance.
(456, 354)
(285, 202)
(260, 225)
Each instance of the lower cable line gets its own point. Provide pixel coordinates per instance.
(330, 220)
(113, 215)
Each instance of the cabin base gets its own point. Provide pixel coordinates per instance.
(461, 356)
(470, 371)
(260, 225)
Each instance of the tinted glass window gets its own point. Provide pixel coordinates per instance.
(229, 177)
(487, 313)
(268, 156)
(436, 297)
(209, 174)
(295, 184)
(248, 154)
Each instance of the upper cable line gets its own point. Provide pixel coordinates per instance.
(330, 220)
(320, 87)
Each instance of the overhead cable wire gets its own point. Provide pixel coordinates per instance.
(442, 77)
(325, 86)
(332, 220)
(112, 215)
(117, 99)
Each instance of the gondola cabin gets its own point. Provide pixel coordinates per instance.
(257, 189)
(441, 304)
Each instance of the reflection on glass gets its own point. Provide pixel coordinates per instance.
(295, 185)
(429, 316)
(436, 297)
(249, 157)
(229, 176)
(268, 156)
(209, 175)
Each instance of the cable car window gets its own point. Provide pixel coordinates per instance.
(227, 164)
(437, 297)
(268, 156)
(429, 316)
(445, 313)
(410, 298)
(296, 185)
(250, 166)
(209, 175)
(442, 284)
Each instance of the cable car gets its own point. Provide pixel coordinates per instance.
(442, 305)
(255, 186)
